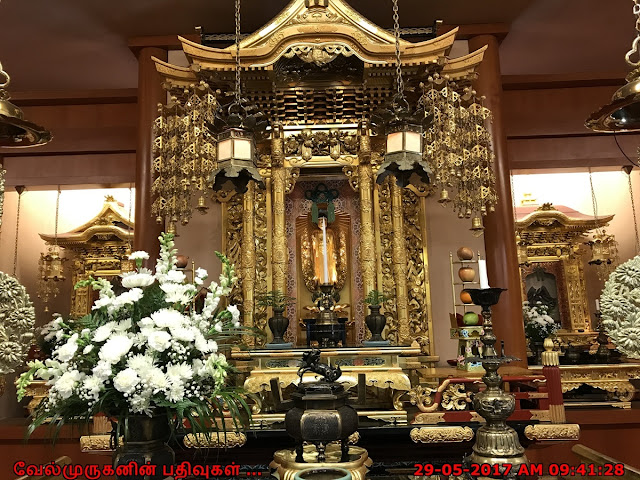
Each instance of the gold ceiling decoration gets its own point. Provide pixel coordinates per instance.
(458, 145)
(321, 65)
(15, 131)
(604, 247)
(184, 154)
(51, 265)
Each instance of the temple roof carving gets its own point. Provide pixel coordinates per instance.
(110, 224)
(319, 34)
(555, 223)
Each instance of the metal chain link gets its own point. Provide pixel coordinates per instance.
(238, 51)
(55, 235)
(396, 31)
(636, 42)
(635, 218)
(15, 248)
(5, 79)
(593, 196)
(130, 206)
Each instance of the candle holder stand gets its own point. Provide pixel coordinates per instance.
(497, 444)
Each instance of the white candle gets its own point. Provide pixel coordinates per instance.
(482, 270)
(325, 260)
(597, 305)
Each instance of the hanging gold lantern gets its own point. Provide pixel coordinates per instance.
(236, 162)
(604, 253)
(15, 131)
(51, 266)
(523, 253)
(622, 114)
(404, 128)
(238, 125)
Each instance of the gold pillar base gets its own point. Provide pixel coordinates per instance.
(285, 466)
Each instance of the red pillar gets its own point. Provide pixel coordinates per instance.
(499, 236)
(150, 93)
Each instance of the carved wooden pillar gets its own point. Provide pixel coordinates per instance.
(248, 259)
(500, 245)
(278, 183)
(150, 93)
(367, 238)
(400, 265)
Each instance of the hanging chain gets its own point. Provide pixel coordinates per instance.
(15, 248)
(238, 52)
(55, 235)
(634, 46)
(593, 196)
(396, 31)
(130, 206)
(635, 218)
(513, 200)
(5, 79)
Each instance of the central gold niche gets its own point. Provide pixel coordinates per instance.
(309, 266)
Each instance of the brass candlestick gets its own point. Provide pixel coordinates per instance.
(496, 442)
(603, 354)
(326, 304)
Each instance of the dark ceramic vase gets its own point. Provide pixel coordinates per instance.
(278, 325)
(145, 447)
(536, 348)
(572, 355)
(375, 323)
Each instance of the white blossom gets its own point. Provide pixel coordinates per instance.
(68, 350)
(141, 279)
(115, 348)
(66, 383)
(159, 340)
(139, 255)
(126, 381)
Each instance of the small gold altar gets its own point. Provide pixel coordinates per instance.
(382, 375)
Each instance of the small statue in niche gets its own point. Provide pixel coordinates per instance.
(542, 288)
(311, 363)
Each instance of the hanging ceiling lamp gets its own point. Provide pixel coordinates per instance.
(15, 131)
(237, 126)
(404, 129)
(622, 114)
(604, 247)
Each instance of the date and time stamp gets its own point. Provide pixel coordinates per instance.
(525, 470)
(187, 470)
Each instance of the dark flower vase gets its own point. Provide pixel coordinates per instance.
(146, 447)
(375, 323)
(278, 325)
(536, 348)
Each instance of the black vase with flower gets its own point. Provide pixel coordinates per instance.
(143, 453)
(375, 320)
(278, 323)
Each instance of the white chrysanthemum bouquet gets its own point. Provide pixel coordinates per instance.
(151, 350)
(538, 325)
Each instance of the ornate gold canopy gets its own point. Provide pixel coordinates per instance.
(318, 34)
(550, 224)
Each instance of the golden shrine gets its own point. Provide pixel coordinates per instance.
(100, 248)
(551, 251)
(320, 69)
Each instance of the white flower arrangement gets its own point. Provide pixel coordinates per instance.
(538, 325)
(146, 351)
(620, 307)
